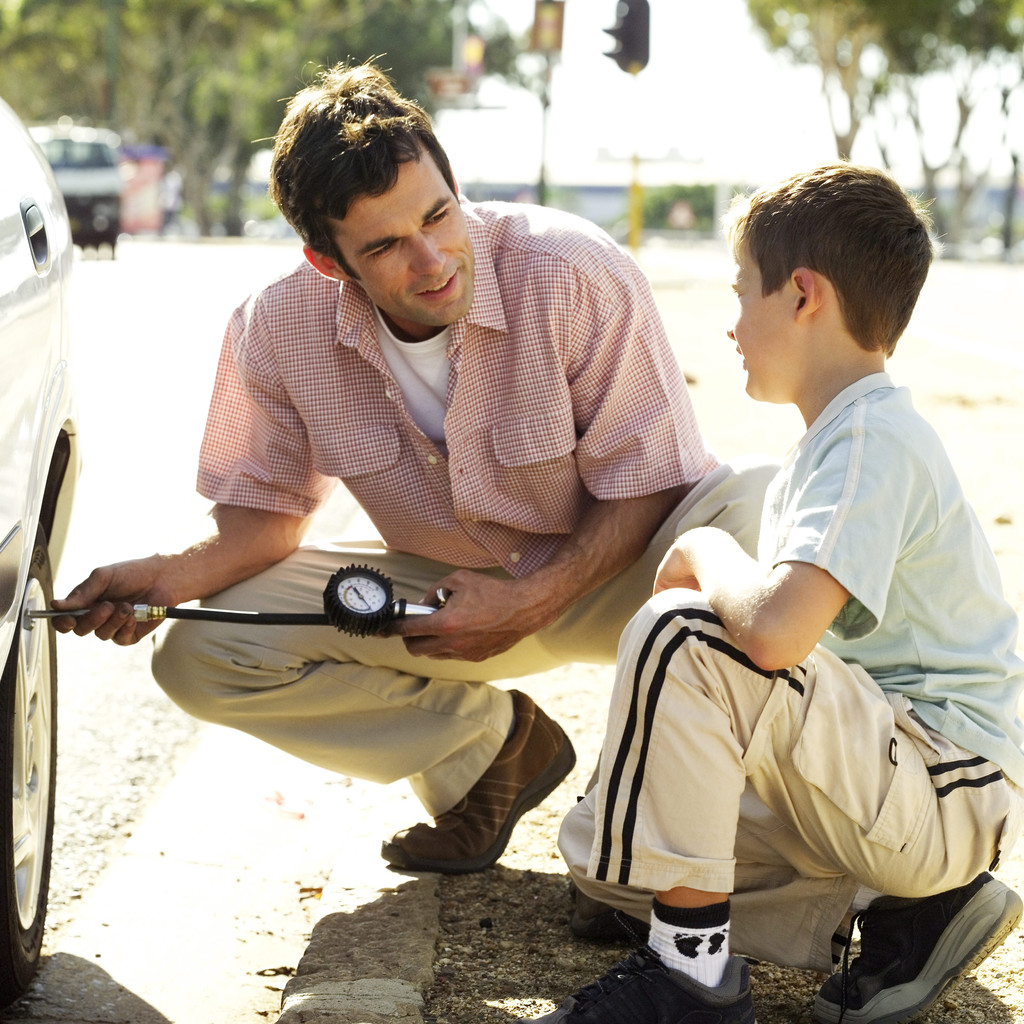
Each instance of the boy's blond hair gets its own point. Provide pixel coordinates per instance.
(854, 225)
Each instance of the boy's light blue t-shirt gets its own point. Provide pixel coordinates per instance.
(869, 495)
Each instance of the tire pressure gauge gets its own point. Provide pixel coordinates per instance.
(359, 600)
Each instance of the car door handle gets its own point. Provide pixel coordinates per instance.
(35, 229)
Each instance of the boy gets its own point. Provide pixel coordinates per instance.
(831, 729)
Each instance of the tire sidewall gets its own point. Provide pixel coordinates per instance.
(19, 957)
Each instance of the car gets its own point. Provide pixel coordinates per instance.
(39, 464)
(86, 164)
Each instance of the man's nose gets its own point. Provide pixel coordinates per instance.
(427, 255)
(731, 333)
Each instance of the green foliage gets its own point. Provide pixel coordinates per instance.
(208, 80)
(671, 206)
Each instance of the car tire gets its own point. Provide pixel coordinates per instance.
(28, 740)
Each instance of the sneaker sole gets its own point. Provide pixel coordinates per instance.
(969, 938)
(532, 794)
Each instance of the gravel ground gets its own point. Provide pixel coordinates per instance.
(505, 949)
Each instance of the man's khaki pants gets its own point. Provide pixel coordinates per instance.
(365, 707)
(788, 789)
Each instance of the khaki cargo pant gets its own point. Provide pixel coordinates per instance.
(788, 789)
(365, 707)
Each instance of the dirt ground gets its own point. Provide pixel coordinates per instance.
(505, 950)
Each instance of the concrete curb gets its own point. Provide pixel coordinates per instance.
(371, 955)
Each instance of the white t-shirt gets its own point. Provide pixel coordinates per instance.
(421, 370)
(869, 495)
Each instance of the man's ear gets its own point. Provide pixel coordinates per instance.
(326, 265)
(809, 289)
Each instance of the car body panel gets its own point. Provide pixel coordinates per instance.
(39, 464)
(36, 405)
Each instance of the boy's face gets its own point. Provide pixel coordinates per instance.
(409, 250)
(763, 335)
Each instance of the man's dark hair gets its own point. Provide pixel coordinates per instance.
(344, 137)
(852, 224)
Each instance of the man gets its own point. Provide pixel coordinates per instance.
(493, 385)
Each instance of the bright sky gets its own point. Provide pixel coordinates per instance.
(712, 101)
(713, 104)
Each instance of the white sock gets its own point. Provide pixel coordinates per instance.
(693, 940)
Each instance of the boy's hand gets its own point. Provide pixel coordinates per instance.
(675, 571)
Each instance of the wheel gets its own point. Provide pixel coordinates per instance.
(28, 739)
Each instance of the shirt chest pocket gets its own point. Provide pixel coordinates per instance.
(348, 454)
(520, 471)
(524, 442)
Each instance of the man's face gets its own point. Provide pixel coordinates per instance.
(409, 250)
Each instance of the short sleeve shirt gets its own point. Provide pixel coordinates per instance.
(563, 390)
(869, 496)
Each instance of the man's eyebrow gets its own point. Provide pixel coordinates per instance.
(378, 243)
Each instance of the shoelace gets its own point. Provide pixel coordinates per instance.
(855, 924)
(638, 962)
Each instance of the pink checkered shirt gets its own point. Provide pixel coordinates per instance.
(563, 390)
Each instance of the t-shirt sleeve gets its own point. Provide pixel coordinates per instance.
(850, 515)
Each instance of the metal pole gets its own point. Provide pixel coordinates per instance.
(545, 104)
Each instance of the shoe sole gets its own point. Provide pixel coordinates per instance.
(532, 794)
(968, 939)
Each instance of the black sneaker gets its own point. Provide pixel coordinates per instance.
(597, 922)
(642, 990)
(912, 949)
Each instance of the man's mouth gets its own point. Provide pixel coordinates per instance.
(439, 288)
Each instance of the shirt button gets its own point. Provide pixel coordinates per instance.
(432, 459)
(514, 557)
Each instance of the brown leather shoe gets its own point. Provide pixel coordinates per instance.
(474, 833)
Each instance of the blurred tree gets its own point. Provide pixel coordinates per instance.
(833, 35)
(962, 43)
(874, 50)
(680, 207)
(208, 80)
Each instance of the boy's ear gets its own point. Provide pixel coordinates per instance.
(809, 289)
(326, 265)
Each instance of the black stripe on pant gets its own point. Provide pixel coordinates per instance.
(692, 625)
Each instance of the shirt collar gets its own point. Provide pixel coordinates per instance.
(849, 395)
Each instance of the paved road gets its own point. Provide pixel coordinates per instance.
(183, 852)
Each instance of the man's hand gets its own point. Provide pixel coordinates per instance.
(110, 593)
(247, 541)
(481, 617)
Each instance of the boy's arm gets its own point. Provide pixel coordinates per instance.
(776, 616)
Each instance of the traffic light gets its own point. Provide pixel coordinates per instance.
(632, 35)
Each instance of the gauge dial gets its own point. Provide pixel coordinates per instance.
(358, 600)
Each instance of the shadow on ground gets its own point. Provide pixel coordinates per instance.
(505, 951)
(77, 989)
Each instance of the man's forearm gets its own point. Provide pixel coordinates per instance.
(247, 541)
(611, 537)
